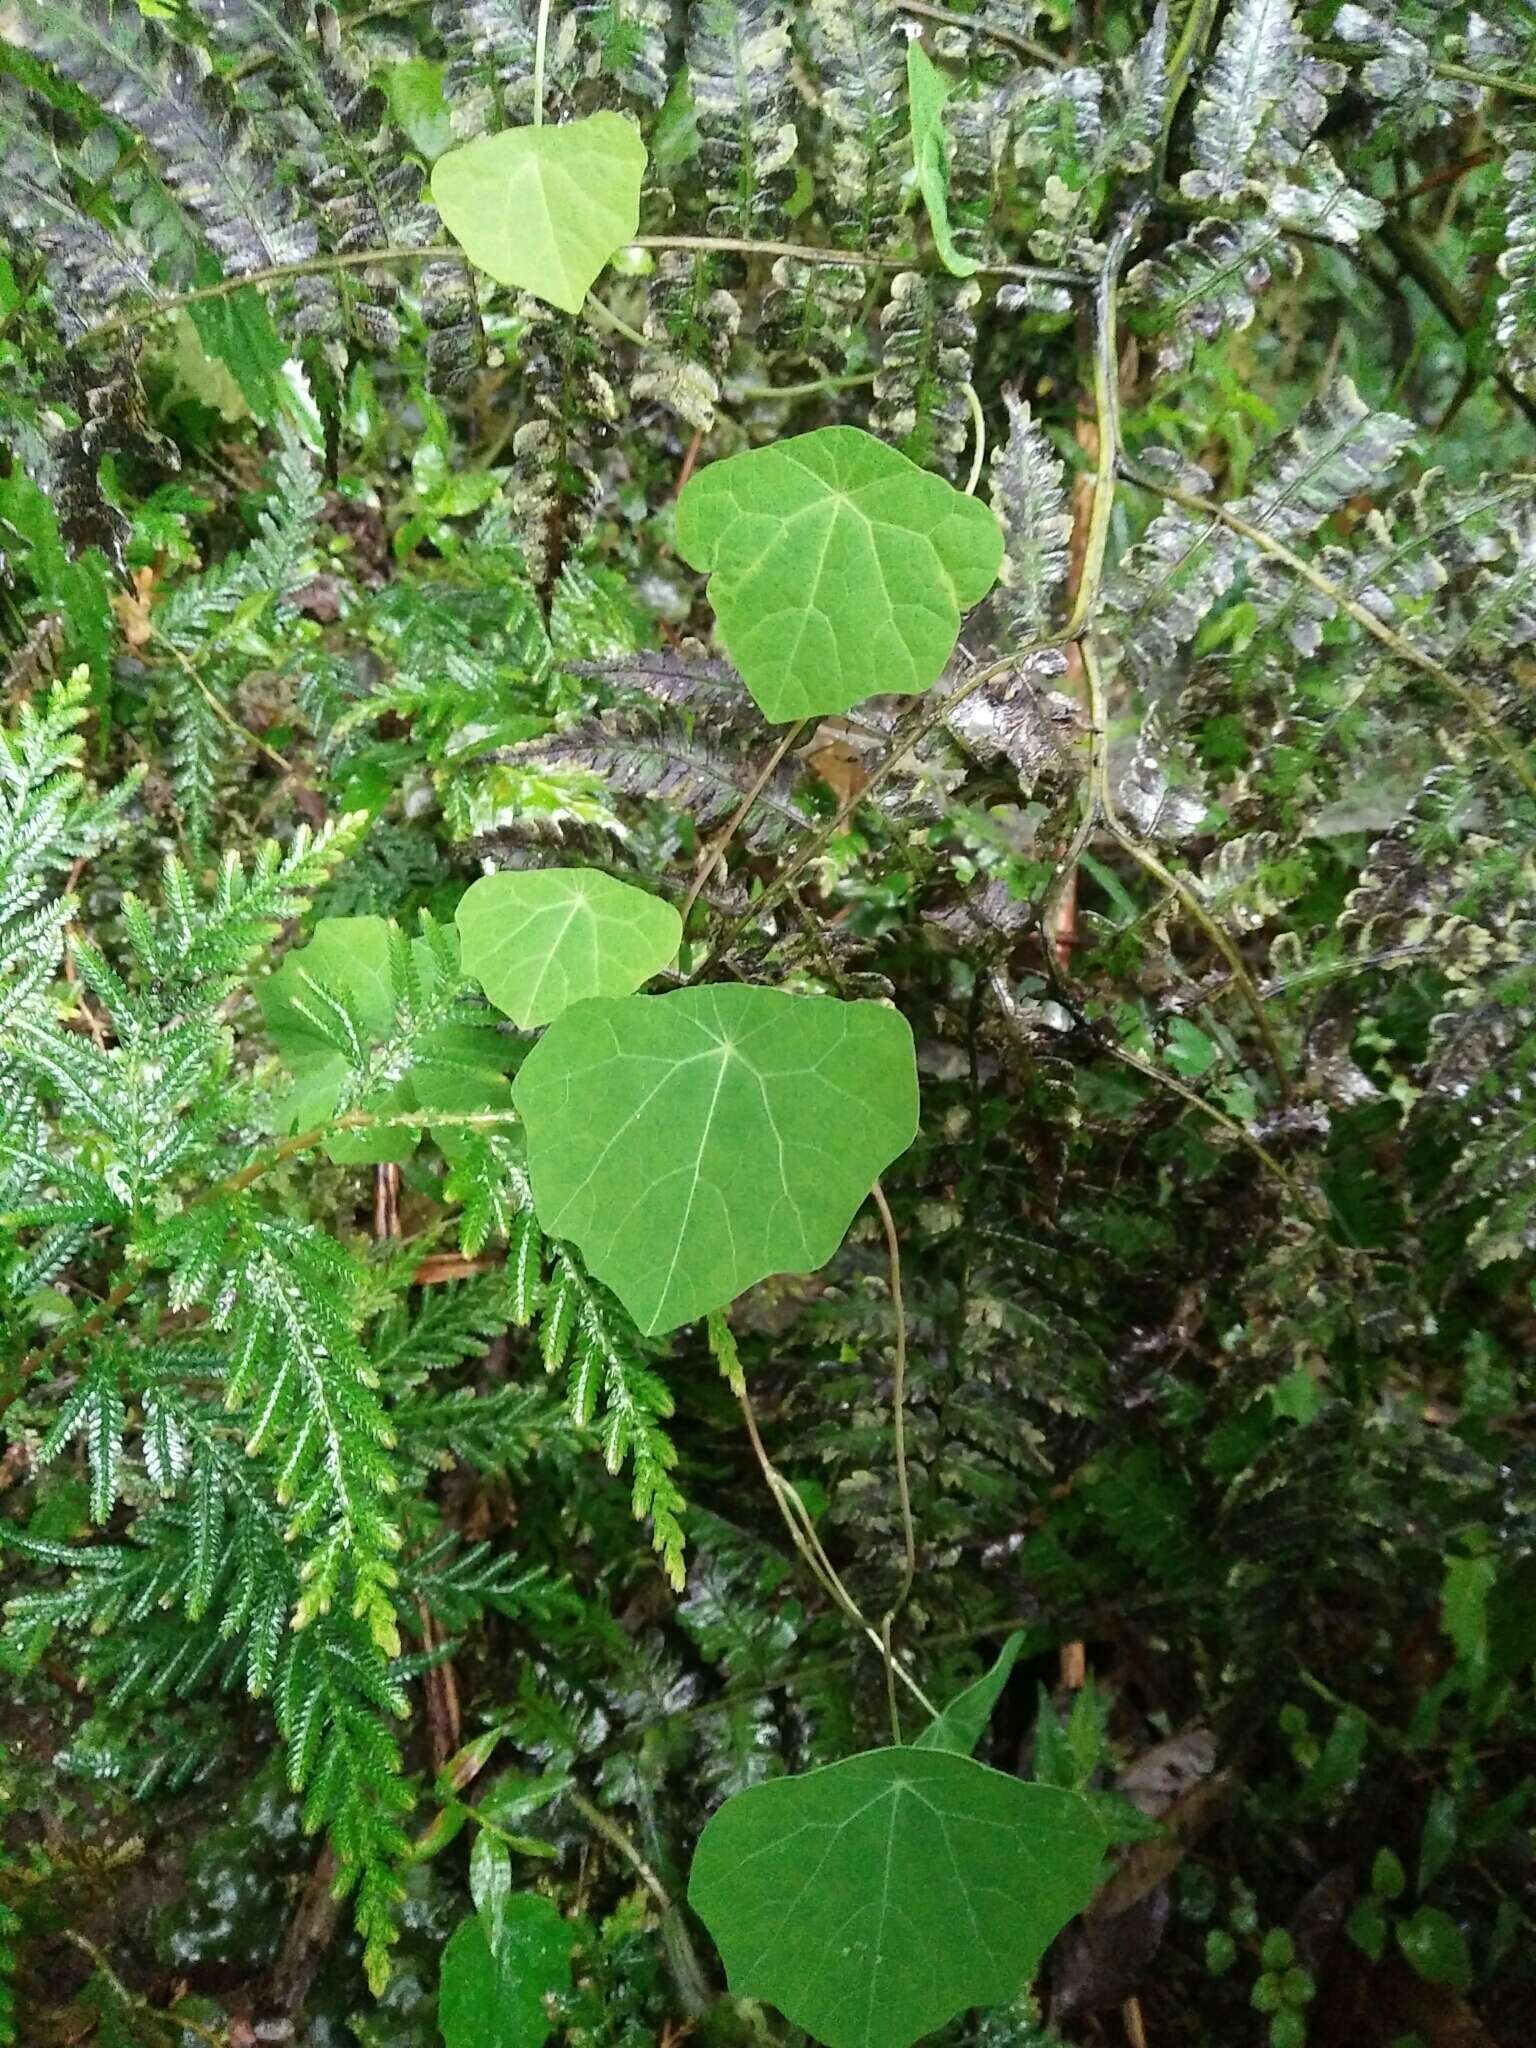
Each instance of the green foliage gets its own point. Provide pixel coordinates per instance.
(369, 1021)
(837, 569)
(1207, 1349)
(498, 1981)
(545, 209)
(538, 942)
(684, 1142)
(963, 1722)
(957, 1845)
(927, 94)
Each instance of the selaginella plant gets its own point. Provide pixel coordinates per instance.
(1108, 799)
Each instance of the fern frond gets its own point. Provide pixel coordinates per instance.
(929, 350)
(490, 45)
(1169, 582)
(1261, 99)
(1206, 285)
(200, 143)
(1514, 326)
(205, 949)
(93, 267)
(94, 1410)
(1028, 490)
(298, 1365)
(334, 130)
(334, 1700)
(738, 55)
(48, 820)
(608, 1374)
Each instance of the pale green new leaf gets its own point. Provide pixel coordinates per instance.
(874, 1899)
(544, 209)
(540, 940)
(926, 97)
(961, 1725)
(343, 975)
(691, 1144)
(495, 1994)
(838, 569)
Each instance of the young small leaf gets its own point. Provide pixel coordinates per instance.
(540, 940)
(691, 1144)
(874, 1899)
(926, 96)
(838, 569)
(495, 1995)
(544, 209)
(963, 1722)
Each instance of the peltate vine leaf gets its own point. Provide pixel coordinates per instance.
(544, 938)
(926, 95)
(691, 1144)
(838, 569)
(333, 1001)
(494, 1994)
(874, 1899)
(961, 1725)
(543, 209)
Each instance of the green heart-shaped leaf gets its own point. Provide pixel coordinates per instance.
(495, 1986)
(838, 569)
(544, 209)
(693, 1143)
(926, 97)
(541, 940)
(872, 1900)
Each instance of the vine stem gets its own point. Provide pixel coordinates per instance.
(1009, 38)
(802, 1533)
(899, 1440)
(603, 1824)
(979, 426)
(1106, 401)
(220, 711)
(1192, 41)
(606, 317)
(1161, 1078)
(1509, 751)
(715, 852)
(903, 744)
(759, 393)
(173, 2023)
(388, 255)
(1487, 80)
(1102, 805)
(540, 44)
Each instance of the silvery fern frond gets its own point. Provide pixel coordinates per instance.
(1206, 285)
(1261, 100)
(1514, 325)
(1169, 582)
(1028, 490)
(739, 64)
(200, 142)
